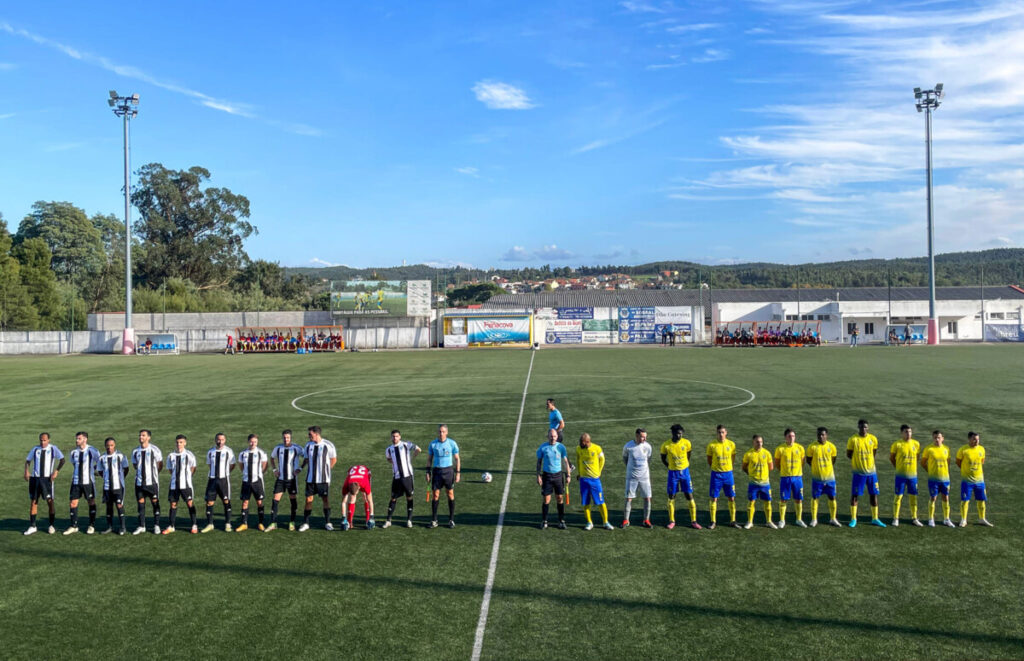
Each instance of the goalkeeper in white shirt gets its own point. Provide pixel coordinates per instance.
(636, 454)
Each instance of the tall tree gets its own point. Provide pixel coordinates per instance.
(187, 231)
(106, 290)
(40, 282)
(16, 310)
(74, 242)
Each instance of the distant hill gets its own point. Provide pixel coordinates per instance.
(1001, 266)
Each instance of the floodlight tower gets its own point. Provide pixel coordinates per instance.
(126, 107)
(927, 101)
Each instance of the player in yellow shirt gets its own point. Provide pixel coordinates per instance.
(590, 460)
(903, 456)
(971, 458)
(675, 454)
(790, 458)
(936, 459)
(821, 455)
(758, 464)
(721, 453)
(861, 449)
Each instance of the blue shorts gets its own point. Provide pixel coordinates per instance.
(791, 486)
(935, 487)
(591, 492)
(679, 481)
(762, 491)
(722, 480)
(978, 488)
(827, 488)
(908, 484)
(860, 481)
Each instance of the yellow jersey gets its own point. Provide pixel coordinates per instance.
(905, 453)
(722, 453)
(758, 462)
(821, 455)
(863, 448)
(937, 460)
(677, 454)
(590, 460)
(971, 460)
(790, 459)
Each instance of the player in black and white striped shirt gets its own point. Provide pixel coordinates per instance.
(84, 459)
(320, 459)
(182, 466)
(286, 462)
(253, 461)
(114, 468)
(148, 462)
(41, 469)
(401, 453)
(221, 460)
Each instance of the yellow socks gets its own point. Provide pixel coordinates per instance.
(671, 509)
(874, 511)
(931, 509)
(981, 509)
(713, 510)
(913, 506)
(732, 511)
(799, 510)
(782, 511)
(964, 506)
(604, 512)
(945, 509)
(586, 513)
(693, 510)
(750, 512)
(814, 509)
(853, 512)
(833, 507)
(896, 502)
(768, 511)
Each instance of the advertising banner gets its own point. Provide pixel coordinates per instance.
(606, 325)
(499, 331)
(1003, 333)
(418, 298)
(636, 325)
(455, 341)
(597, 337)
(575, 313)
(673, 315)
(371, 297)
(683, 332)
(564, 331)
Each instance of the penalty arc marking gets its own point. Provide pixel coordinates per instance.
(295, 402)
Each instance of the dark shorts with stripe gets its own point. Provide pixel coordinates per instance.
(174, 495)
(321, 489)
(280, 486)
(143, 492)
(252, 490)
(40, 487)
(402, 486)
(552, 482)
(115, 496)
(87, 491)
(218, 486)
(443, 478)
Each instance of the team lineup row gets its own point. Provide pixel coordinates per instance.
(554, 473)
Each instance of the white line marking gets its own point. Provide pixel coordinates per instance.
(296, 406)
(485, 605)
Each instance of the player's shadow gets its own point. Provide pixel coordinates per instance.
(558, 598)
(19, 525)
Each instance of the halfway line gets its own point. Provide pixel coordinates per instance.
(485, 606)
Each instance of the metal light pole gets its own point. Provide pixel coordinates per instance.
(927, 101)
(125, 108)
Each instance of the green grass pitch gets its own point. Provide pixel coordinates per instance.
(627, 594)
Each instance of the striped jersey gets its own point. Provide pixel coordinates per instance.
(83, 464)
(318, 456)
(181, 464)
(220, 461)
(113, 468)
(253, 462)
(400, 456)
(44, 460)
(145, 460)
(288, 459)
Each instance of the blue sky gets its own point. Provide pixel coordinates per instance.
(520, 133)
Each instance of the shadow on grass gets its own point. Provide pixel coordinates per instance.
(559, 598)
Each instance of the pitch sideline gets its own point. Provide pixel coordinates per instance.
(485, 605)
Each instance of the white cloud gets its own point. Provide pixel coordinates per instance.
(711, 55)
(692, 27)
(316, 261)
(8, 66)
(547, 253)
(501, 96)
(469, 171)
(553, 252)
(7, 115)
(517, 254)
(638, 7)
(604, 142)
(447, 264)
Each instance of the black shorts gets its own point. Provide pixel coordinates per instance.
(321, 489)
(252, 490)
(143, 492)
(552, 482)
(402, 486)
(40, 487)
(443, 478)
(218, 486)
(87, 491)
(280, 486)
(174, 495)
(114, 496)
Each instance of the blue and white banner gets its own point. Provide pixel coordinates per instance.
(1003, 333)
(575, 313)
(636, 325)
(564, 331)
(499, 331)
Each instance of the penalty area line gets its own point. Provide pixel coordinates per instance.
(485, 605)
